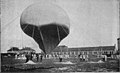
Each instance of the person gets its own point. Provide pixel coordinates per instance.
(41, 58)
(104, 57)
(60, 58)
(79, 57)
(28, 57)
(16, 56)
(37, 55)
(84, 57)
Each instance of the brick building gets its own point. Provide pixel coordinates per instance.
(75, 52)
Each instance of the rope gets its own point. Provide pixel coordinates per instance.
(58, 34)
(7, 24)
(21, 39)
(64, 30)
(33, 31)
(41, 37)
(25, 27)
(22, 34)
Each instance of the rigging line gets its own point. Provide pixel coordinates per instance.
(21, 39)
(33, 31)
(10, 22)
(58, 33)
(59, 36)
(25, 27)
(64, 30)
(41, 36)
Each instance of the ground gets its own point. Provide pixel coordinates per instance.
(10, 64)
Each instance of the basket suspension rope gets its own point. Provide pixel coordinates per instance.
(58, 34)
(25, 27)
(33, 32)
(64, 30)
(41, 36)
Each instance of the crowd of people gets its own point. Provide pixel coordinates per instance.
(39, 57)
(29, 56)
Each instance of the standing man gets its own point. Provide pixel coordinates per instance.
(60, 58)
(28, 57)
(37, 56)
(41, 58)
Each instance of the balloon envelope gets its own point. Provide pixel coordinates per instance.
(47, 24)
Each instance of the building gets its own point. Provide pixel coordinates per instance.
(13, 50)
(75, 52)
(25, 50)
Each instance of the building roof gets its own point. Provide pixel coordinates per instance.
(100, 48)
(27, 49)
(93, 48)
(60, 48)
(13, 49)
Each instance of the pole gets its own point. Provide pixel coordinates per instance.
(119, 19)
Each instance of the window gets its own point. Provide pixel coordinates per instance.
(95, 52)
(85, 52)
(70, 52)
(59, 53)
(111, 52)
(82, 52)
(100, 52)
(90, 52)
(74, 53)
(66, 52)
(47, 56)
(78, 52)
(108, 52)
(53, 53)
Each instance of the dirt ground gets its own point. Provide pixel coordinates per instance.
(48, 65)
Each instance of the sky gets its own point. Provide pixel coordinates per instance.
(92, 23)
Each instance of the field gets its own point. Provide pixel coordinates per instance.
(9, 64)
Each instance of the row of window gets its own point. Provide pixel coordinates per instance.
(75, 54)
(83, 52)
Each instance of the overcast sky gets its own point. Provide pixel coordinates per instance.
(92, 23)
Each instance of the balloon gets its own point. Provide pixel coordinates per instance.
(46, 23)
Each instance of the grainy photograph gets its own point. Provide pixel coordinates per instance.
(60, 36)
